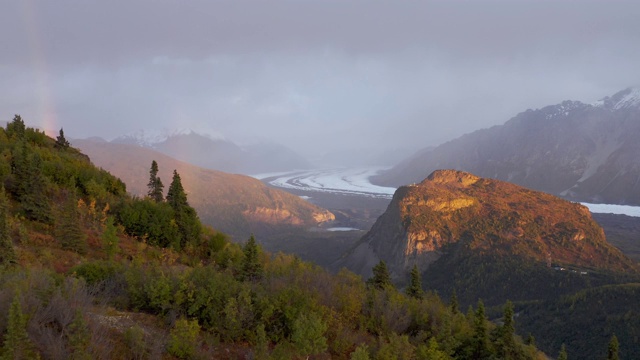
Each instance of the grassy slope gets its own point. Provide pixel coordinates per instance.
(222, 200)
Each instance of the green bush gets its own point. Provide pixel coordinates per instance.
(136, 343)
(95, 272)
(183, 339)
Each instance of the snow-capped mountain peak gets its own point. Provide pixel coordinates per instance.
(150, 138)
(628, 98)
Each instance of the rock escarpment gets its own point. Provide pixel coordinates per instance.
(452, 211)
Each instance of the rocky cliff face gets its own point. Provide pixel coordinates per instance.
(453, 210)
(583, 152)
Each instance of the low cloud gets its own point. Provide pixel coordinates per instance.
(314, 75)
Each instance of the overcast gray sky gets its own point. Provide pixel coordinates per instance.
(312, 75)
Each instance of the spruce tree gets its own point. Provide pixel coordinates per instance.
(30, 185)
(381, 278)
(480, 337)
(17, 344)
(35, 202)
(176, 197)
(185, 216)
(16, 127)
(612, 349)
(251, 266)
(562, 355)
(110, 239)
(155, 184)
(68, 230)
(415, 284)
(453, 302)
(61, 141)
(7, 253)
(506, 344)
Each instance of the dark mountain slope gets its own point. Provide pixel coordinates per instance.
(586, 321)
(584, 152)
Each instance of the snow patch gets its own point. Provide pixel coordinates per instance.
(629, 100)
(562, 109)
(150, 138)
(342, 229)
(624, 99)
(614, 209)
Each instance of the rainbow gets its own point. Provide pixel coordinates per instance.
(45, 111)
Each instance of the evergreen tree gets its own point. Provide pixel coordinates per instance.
(251, 266)
(16, 127)
(480, 337)
(30, 187)
(17, 344)
(19, 167)
(110, 238)
(34, 203)
(562, 355)
(308, 334)
(530, 340)
(7, 253)
(612, 350)
(176, 196)
(507, 348)
(381, 278)
(61, 141)
(185, 216)
(453, 302)
(68, 229)
(155, 184)
(432, 351)
(415, 284)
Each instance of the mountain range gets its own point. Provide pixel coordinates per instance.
(216, 152)
(236, 204)
(583, 152)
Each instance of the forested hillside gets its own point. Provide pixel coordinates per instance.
(236, 204)
(87, 272)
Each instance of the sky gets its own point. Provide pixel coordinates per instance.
(316, 76)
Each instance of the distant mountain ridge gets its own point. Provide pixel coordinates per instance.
(583, 152)
(217, 152)
(236, 204)
(150, 138)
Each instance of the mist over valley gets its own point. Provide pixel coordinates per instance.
(320, 180)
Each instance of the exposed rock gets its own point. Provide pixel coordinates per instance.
(453, 209)
(323, 216)
(283, 216)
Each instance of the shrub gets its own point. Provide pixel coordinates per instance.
(183, 339)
